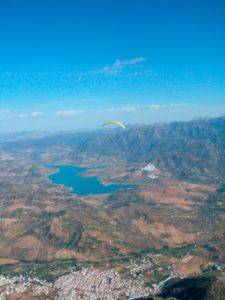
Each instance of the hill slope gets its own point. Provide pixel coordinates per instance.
(188, 150)
(204, 287)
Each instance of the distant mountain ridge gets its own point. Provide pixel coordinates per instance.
(192, 150)
(181, 225)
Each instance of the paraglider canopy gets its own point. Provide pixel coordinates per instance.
(114, 122)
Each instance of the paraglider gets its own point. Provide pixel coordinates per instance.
(114, 122)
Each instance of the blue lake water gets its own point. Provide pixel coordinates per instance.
(71, 176)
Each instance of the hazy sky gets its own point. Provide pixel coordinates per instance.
(73, 64)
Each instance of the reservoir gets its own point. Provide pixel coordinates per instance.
(72, 177)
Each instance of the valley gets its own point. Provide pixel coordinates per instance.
(167, 224)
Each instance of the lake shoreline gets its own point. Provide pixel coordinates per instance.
(73, 178)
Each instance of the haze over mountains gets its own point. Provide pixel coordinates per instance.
(192, 150)
(174, 218)
(189, 150)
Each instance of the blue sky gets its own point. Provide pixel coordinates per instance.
(73, 64)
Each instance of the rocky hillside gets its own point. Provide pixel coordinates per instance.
(209, 286)
(193, 150)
